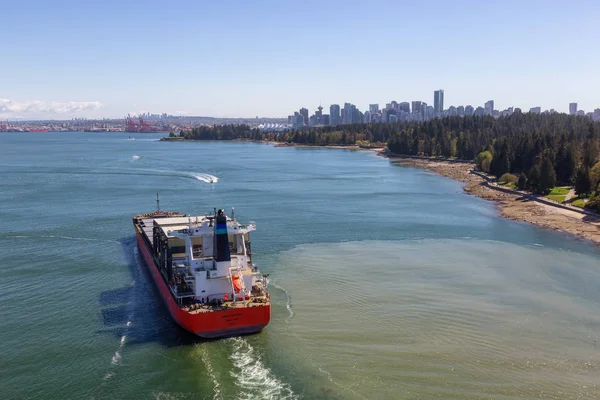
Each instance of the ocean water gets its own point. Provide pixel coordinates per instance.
(387, 282)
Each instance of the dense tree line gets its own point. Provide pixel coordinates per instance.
(222, 132)
(543, 150)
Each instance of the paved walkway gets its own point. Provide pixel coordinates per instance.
(570, 195)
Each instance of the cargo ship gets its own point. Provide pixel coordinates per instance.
(202, 267)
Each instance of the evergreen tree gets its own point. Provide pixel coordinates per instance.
(547, 176)
(583, 185)
(522, 183)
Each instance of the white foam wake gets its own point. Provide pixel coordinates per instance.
(211, 373)
(288, 303)
(59, 237)
(255, 380)
(208, 178)
(116, 359)
(135, 157)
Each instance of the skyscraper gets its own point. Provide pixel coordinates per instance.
(489, 107)
(367, 117)
(438, 101)
(348, 113)
(416, 107)
(572, 108)
(304, 113)
(404, 106)
(319, 116)
(535, 110)
(373, 108)
(334, 114)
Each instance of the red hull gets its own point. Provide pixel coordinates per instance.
(231, 322)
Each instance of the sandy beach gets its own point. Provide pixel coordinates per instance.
(512, 206)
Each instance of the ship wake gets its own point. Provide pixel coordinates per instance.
(116, 358)
(208, 178)
(214, 376)
(288, 303)
(255, 380)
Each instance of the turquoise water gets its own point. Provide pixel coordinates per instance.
(387, 282)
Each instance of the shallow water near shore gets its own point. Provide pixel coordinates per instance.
(387, 282)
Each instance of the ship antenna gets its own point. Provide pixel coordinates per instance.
(233, 213)
(157, 203)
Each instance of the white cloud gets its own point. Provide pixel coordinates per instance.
(53, 107)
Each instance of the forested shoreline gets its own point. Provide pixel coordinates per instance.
(539, 150)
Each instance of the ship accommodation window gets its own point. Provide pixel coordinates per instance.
(197, 247)
(236, 245)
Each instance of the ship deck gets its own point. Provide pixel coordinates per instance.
(228, 305)
(146, 226)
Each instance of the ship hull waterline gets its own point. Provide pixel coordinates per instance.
(211, 325)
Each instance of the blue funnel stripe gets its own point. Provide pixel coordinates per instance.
(221, 229)
(221, 239)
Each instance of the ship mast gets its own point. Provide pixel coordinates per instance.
(157, 203)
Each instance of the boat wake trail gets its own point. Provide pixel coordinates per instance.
(288, 303)
(161, 173)
(206, 178)
(214, 377)
(135, 157)
(201, 176)
(251, 375)
(57, 237)
(116, 358)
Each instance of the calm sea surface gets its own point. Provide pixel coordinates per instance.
(387, 282)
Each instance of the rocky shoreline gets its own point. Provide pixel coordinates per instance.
(511, 206)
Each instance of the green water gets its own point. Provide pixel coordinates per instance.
(387, 282)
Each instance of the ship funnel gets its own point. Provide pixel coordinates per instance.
(221, 238)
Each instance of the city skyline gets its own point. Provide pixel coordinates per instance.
(200, 58)
(415, 110)
(567, 109)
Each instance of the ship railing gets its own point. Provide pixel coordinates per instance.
(218, 296)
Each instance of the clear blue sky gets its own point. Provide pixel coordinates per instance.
(66, 59)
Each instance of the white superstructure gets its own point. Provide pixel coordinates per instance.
(198, 264)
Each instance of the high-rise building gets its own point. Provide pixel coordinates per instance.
(535, 110)
(319, 115)
(438, 101)
(489, 107)
(304, 113)
(348, 113)
(469, 110)
(416, 107)
(298, 119)
(384, 115)
(460, 110)
(373, 108)
(319, 111)
(572, 108)
(404, 106)
(367, 117)
(357, 116)
(429, 113)
(425, 114)
(334, 114)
